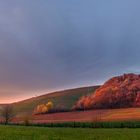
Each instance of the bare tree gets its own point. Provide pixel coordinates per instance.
(7, 113)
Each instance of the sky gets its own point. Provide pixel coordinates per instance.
(49, 45)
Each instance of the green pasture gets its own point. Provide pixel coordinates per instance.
(44, 133)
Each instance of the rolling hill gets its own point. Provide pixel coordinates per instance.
(119, 99)
(118, 92)
(66, 99)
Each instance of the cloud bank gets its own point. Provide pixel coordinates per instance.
(51, 45)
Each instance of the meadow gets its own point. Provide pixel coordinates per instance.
(44, 133)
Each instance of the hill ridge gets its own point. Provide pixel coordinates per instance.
(64, 98)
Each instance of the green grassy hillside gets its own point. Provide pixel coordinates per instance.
(66, 99)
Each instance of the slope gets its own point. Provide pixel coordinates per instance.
(66, 99)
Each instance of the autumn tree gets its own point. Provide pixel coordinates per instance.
(44, 108)
(49, 105)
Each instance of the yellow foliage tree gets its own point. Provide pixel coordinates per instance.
(49, 105)
(44, 108)
(39, 108)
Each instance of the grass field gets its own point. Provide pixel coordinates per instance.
(42, 133)
(123, 114)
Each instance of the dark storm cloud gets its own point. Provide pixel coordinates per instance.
(48, 45)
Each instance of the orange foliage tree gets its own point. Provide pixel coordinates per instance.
(43, 108)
